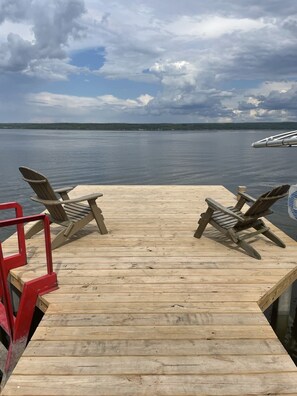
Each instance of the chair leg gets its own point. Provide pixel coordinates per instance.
(97, 212)
(249, 249)
(38, 226)
(59, 240)
(270, 235)
(203, 221)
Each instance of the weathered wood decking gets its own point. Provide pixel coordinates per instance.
(149, 310)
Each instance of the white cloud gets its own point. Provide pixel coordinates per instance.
(51, 69)
(82, 104)
(213, 26)
(24, 30)
(178, 74)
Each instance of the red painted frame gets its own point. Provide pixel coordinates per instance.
(18, 326)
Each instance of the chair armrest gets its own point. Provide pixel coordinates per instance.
(90, 197)
(63, 189)
(243, 199)
(46, 201)
(247, 197)
(216, 206)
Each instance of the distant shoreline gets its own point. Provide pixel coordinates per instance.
(153, 126)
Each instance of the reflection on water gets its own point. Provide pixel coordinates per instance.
(143, 157)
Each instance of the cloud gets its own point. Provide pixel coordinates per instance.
(53, 28)
(15, 10)
(76, 102)
(184, 94)
(190, 60)
(180, 73)
(191, 50)
(212, 26)
(205, 105)
(53, 24)
(275, 100)
(51, 69)
(70, 107)
(212, 38)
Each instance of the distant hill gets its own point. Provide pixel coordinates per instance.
(153, 127)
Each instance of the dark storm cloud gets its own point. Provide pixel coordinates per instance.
(275, 100)
(53, 24)
(15, 10)
(281, 100)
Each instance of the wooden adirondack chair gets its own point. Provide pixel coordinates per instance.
(231, 220)
(69, 213)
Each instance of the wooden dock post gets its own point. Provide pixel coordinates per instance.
(239, 190)
(283, 312)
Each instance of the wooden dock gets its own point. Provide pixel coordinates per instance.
(149, 310)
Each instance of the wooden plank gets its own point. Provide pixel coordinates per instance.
(146, 365)
(166, 263)
(154, 348)
(243, 273)
(278, 289)
(172, 280)
(235, 307)
(169, 385)
(154, 332)
(174, 298)
(84, 286)
(154, 319)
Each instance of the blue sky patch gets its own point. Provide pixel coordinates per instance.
(92, 58)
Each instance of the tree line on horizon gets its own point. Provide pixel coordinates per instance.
(152, 126)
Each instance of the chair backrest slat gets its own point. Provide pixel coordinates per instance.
(42, 188)
(266, 200)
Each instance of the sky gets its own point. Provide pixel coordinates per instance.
(148, 61)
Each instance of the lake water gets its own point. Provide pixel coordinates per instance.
(148, 157)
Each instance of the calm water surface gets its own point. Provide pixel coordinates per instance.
(148, 157)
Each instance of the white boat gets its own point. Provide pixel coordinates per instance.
(286, 139)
